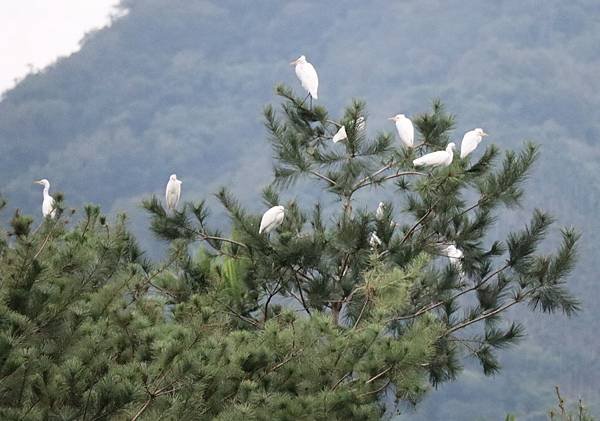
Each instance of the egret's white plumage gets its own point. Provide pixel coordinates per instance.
(453, 254)
(48, 202)
(271, 219)
(361, 124)
(380, 212)
(374, 240)
(173, 192)
(405, 128)
(437, 159)
(307, 75)
(470, 141)
(340, 135)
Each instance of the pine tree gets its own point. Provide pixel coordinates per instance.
(322, 259)
(340, 313)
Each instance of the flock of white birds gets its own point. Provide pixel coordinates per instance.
(273, 217)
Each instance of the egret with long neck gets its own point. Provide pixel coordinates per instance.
(48, 202)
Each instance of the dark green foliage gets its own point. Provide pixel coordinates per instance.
(315, 320)
(329, 265)
(179, 84)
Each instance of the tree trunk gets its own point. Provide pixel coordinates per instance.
(336, 308)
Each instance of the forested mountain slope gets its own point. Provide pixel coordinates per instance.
(179, 86)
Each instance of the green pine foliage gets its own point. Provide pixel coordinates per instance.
(321, 260)
(311, 321)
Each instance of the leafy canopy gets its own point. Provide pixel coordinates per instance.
(312, 321)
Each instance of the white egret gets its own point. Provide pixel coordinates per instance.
(374, 240)
(307, 75)
(380, 212)
(437, 159)
(173, 192)
(361, 124)
(48, 203)
(405, 128)
(271, 219)
(340, 135)
(453, 254)
(470, 141)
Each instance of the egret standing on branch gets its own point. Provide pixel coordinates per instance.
(470, 141)
(405, 128)
(340, 135)
(48, 203)
(374, 240)
(307, 75)
(271, 219)
(454, 255)
(437, 159)
(173, 192)
(380, 212)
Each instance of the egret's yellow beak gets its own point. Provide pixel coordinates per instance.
(392, 118)
(37, 181)
(293, 62)
(484, 134)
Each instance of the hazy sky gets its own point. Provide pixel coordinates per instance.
(37, 32)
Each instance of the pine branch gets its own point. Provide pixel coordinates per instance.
(253, 322)
(142, 409)
(322, 177)
(490, 313)
(382, 373)
(414, 227)
(376, 391)
(362, 310)
(437, 304)
(209, 238)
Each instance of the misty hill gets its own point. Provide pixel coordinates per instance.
(179, 86)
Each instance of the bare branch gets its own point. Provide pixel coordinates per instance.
(414, 227)
(142, 409)
(207, 237)
(322, 177)
(362, 310)
(488, 314)
(375, 377)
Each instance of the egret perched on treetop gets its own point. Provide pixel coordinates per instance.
(454, 255)
(437, 159)
(380, 212)
(340, 135)
(271, 219)
(470, 141)
(48, 203)
(406, 130)
(307, 75)
(173, 192)
(374, 240)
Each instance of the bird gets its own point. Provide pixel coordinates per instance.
(340, 135)
(307, 75)
(173, 192)
(437, 159)
(453, 254)
(470, 141)
(380, 212)
(48, 203)
(361, 124)
(271, 219)
(405, 128)
(374, 240)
